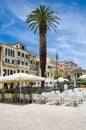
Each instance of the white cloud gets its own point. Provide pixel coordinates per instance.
(64, 42)
(79, 54)
(22, 35)
(75, 24)
(74, 2)
(8, 24)
(52, 51)
(20, 8)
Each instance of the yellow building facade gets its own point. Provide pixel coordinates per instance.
(50, 67)
(15, 59)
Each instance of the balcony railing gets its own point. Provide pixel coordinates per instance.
(23, 66)
(35, 71)
(16, 65)
(9, 64)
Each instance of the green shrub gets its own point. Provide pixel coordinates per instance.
(78, 82)
(61, 90)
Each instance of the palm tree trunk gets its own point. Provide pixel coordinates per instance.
(42, 33)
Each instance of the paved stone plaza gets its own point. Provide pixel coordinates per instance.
(42, 117)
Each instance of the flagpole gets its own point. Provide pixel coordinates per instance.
(57, 67)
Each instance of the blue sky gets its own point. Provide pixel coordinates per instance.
(70, 39)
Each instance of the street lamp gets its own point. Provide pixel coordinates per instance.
(57, 56)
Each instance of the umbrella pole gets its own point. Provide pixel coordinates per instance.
(20, 91)
(74, 82)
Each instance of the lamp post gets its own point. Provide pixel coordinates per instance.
(57, 66)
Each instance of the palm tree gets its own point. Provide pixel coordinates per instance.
(42, 18)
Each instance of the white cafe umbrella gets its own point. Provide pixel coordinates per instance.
(61, 79)
(83, 77)
(74, 82)
(20, 77)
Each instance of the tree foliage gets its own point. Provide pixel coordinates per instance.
(57, 74)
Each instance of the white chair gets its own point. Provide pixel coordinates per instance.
(6, 97)
(35, 98)
(57, 100)
(27, 98)
(41, 99)
(74, 100)
(67, 100)
(21, 97)
(10, 97)
(0, 97)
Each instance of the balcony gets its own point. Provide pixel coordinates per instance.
(23, 66)
(49, 67)
(31, 58)
(31, 70)
(9, 64)
(15, 65)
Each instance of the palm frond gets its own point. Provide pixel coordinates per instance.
(42, 15)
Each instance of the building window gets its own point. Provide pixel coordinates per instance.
(22, 62)
(26, 63)
(6, 60)
(31, 62)
(37, 63)
(22, 54)
(4, 72)
(8, 52)
(23, 48)
(18, 53)
(5, 51)
(18, 71)
(13, 53)
(11, 72)
(26, 56)
(18, 62)
(49, 67)
(16, 46)
(12, 61)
